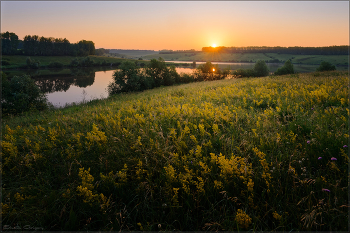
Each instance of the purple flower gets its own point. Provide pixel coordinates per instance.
(345, 146)
(325, 190)
(319, 158)
(333, 158)
(312, 108)
(308, 142)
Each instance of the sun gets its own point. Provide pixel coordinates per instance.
(214, 45)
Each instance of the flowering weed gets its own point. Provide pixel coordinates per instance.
(256, 153)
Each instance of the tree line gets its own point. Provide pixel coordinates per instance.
(33, 45)
(327, 50)
(129, 77)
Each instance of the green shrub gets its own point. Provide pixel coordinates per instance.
(240, 73)
(55, 65)
(261, 69)
(127, 78)
(157, 70)
(32, 63)
(20, 94)
(170, 75)
(117, 64)
(326, 66)
(96, 63)
(287, 68)
(104, 63)
(209, 72)
(74, 63)
(86, 62)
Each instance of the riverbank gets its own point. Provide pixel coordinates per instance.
(11, 62)
(185, 157)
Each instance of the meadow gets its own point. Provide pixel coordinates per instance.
(19, 61)
(266, 153)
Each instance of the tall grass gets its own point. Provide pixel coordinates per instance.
(242, 154)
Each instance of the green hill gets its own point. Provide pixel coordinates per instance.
(241, 154)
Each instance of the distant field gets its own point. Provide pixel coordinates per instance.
(339, 60)
(253, 57)
(130, 53)
(20, 61)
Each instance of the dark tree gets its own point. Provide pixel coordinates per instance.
(287, 68)
(158, 72)
(33, 45)
(326, 66)
(261, 69)
(20, 94)
(9, 43)
(126, 79)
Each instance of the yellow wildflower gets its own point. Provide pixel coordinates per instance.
(243, 219)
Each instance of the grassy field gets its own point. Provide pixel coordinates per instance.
(20, 61)
(256, 154)
(130, 53)
(223, 57)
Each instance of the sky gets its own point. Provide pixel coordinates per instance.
(181, 25)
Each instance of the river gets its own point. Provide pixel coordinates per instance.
(67, 86)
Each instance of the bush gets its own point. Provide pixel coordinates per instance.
(127, 78)
(209, 72)
(96, 63)
(74, 63)
(159, 74)
(326, 66)
(104, 63)
(117, 64)
(170, 75)
(240, 73)
(55, 65)
(287, 68)
(261, 69)
(20, 94)
(86, 62)
(185, 78)
(157, 70)
(32, 63)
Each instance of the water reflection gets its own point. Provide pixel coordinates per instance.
(62, 83)
(65, 86)
(83, 88)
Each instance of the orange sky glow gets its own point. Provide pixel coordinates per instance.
(182, 25)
